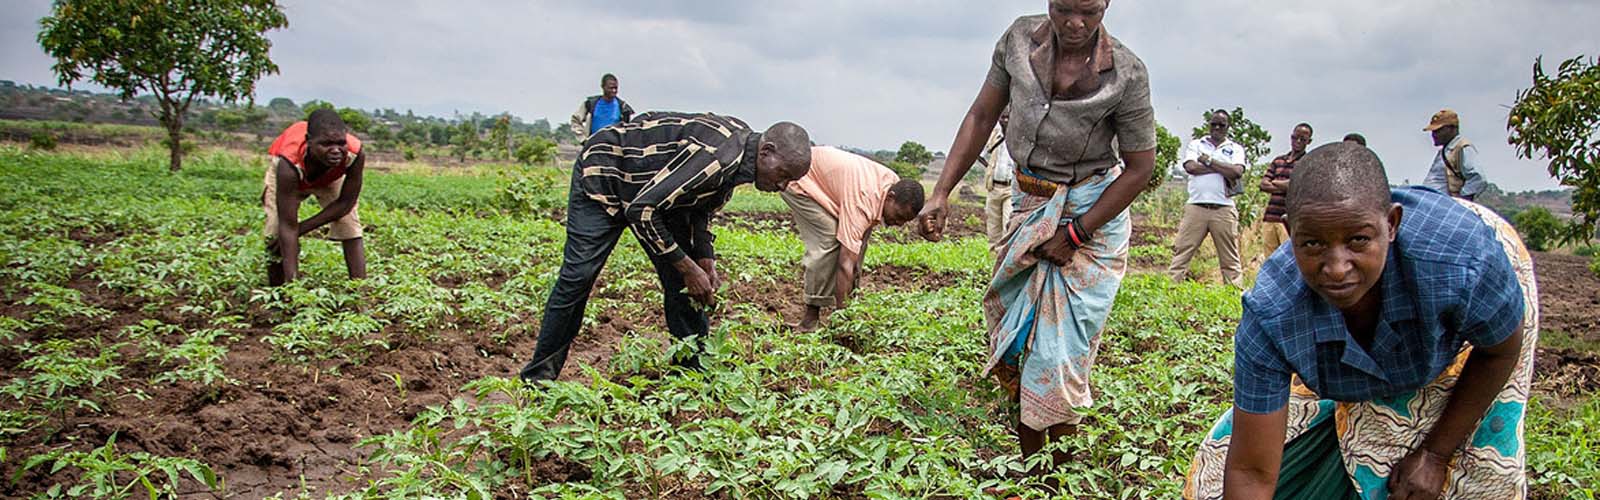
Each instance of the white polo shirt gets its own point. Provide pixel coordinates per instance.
(1211, 188)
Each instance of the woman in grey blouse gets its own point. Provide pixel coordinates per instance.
(1083, 136)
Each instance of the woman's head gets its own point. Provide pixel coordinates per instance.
(1342, 219)
(1076, 22)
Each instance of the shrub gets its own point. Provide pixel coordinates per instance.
(1594, 265)
(539, 150)
(1538, 226)
(906, 170)
(43, 141)
(532, 189)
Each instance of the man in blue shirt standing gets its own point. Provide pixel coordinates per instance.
(1455, 169)
(600, 111)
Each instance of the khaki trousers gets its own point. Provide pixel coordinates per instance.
(819, 231)
(1273, 235)
(996, 214)
(1222, 223)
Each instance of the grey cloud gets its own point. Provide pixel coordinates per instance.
(873, 74)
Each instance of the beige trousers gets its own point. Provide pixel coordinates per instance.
(996, 214)
(1222, 223)
(1273, 235)
(819, 231)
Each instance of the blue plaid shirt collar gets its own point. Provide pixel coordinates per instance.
(1397, 308)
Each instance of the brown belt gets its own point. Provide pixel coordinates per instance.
(1044, 188)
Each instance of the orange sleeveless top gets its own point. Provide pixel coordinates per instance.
(291, 145)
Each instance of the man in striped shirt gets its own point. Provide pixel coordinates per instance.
(663, 175)
(1275, 182)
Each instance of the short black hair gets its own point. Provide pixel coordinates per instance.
(324, 119)
(792, 142)
(1337, 173)
(1356, 138)
(607, 76)
(1307, 126)
(907, 193)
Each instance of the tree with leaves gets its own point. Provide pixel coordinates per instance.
(500, 137)
(465, 139)
(913, 153)
(1559, 119)
(1538, 226)
(1167, 147)
(356, 119)
(315, 104)
(178, 50)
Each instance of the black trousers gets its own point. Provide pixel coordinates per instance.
(591, 235)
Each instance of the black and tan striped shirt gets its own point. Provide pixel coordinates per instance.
(663, 165)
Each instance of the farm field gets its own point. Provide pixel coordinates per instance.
(141, 354)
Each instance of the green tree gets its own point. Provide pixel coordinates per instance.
(1538, 226)
(906, 170)
(913, 153)
(226, 119)
(282, 105)
(1167, 146)
(313, 105)
(1559, 119)
(176, 49)
(536, 150)
(356, 119)
(500, 137)
(1256, 141)
(414, 133)
(465, 140)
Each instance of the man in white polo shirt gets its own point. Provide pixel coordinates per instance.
(1214, 164)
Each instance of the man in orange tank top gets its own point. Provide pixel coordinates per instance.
(317, 157)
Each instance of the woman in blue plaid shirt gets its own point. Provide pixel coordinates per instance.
(1386, 353)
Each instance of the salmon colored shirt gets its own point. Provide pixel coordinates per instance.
(849, 186)
(291, 145)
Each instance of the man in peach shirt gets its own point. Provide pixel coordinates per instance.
(836, 205)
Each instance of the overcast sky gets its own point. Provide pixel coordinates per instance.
(875, 73)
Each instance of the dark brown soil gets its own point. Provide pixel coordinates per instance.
(1569, 302)
(1569, 295)
(285, 426)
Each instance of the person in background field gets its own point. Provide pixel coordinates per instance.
(1355, 138)
(836, 206)
(1000, 168)
(1213, 163)
(1387, 355)
(1274, 229)
(317, 157)
(599, 111)
(1084, 129)
(1455, 169)
(668, 201)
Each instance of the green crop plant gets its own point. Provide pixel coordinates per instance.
(55, 304)
(65, 374)
(197, 356)
(107, 473)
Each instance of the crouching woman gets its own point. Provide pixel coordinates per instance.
(1386, 353)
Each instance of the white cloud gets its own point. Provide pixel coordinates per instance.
(875, 73)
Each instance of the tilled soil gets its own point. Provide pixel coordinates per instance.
(287, 426)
